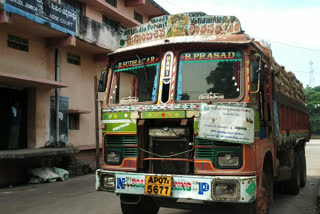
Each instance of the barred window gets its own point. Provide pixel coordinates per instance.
(18, 43)
(138, 17)
(74, 122)
(112, 2)
(110, 23)
(73, 59)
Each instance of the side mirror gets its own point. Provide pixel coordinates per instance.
(102, 84)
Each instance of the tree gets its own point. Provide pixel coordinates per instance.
(313, 103)
(221, 79)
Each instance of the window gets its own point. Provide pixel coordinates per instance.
(18, 43)
(73, 4)
(209, 75)
(138, 17)
(122, 29)
(74, 122)
(110, 23)
(112, 2)
(73, 59)
(135, 80)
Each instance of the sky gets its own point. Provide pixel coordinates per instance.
(291, 27)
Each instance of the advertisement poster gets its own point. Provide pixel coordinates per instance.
(234, 124)
(184, 24)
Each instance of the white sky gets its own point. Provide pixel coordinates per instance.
(291, 26)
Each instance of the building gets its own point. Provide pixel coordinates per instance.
(55, 44)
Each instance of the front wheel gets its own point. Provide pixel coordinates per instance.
(131, 204)
(250, 208)
(265, 192)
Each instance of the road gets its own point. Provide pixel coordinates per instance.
(78, 196)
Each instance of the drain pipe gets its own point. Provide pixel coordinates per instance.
(57, 94)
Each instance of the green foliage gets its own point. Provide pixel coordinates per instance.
(313, 103)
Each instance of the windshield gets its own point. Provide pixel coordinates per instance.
(135, 80)
(209, 75)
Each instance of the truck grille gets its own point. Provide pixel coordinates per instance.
(169, 145)
(205, 153)
(125, 144)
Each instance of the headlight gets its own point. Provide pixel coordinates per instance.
(228, 190)
(228, 160)
(113, 157)
(108, 182)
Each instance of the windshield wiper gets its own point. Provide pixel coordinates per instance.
(145, 71)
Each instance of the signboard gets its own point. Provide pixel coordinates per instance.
(145, 61)
(63, 119)
(185, 24)
(196, 56)
(45, 12)
(233, 124)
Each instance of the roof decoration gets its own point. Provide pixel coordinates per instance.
(184, 24)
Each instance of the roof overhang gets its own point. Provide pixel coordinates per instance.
(22, 81)
(218, 39)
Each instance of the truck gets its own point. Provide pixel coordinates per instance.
(195, 110)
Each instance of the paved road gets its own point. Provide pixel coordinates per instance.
(78, 196)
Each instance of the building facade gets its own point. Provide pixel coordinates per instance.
(45, 45)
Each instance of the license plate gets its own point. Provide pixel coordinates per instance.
(158, 185)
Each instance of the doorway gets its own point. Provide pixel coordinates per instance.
(13, 119)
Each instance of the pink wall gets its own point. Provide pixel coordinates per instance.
(93, 13)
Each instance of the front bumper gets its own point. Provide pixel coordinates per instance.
(183, 186)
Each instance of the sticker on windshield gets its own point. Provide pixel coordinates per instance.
(226, 123)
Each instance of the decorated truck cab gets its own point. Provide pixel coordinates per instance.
(195, 109)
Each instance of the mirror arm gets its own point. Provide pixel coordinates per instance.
(258, 89)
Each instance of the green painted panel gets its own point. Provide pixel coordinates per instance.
(119, 143)
(121, 128)
(251, 188)
(116, 115)
(195, 126)
(163, 114)
(211, 153)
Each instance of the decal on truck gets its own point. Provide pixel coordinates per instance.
(203, 187)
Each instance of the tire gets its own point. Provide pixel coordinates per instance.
(303, 167)
(265, 194)
(250, 208)
(145, 206)
(267, 182)
(293, 185)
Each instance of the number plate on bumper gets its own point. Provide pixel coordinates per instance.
(158, 185)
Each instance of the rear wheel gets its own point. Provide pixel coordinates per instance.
(146, 205)
(293, 185)
(303, 171)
